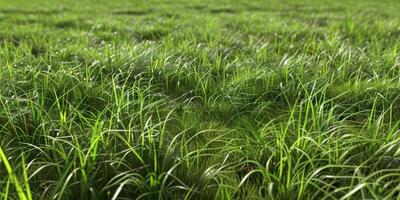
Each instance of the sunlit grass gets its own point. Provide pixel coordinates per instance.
(199, 100)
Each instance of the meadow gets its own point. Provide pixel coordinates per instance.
(229, 99)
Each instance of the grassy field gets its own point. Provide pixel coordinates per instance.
(199, 99)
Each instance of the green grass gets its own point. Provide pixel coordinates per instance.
(200, 99)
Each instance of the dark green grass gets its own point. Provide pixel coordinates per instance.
(199, 99)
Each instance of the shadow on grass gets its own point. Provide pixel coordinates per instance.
(73, 24)
(152, 34)
(223, 11)
(131, 12)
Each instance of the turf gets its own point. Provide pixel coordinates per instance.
(199, 99)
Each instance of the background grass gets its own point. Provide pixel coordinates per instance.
(199, 99)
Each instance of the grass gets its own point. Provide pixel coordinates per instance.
(199, 99)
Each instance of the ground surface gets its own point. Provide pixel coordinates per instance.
(199, 99)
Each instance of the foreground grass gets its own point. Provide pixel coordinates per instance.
(199, 100)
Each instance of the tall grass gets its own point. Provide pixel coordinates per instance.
(199, 100)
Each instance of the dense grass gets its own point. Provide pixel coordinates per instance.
(199, 99)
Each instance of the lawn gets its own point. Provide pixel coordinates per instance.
(230, 99)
